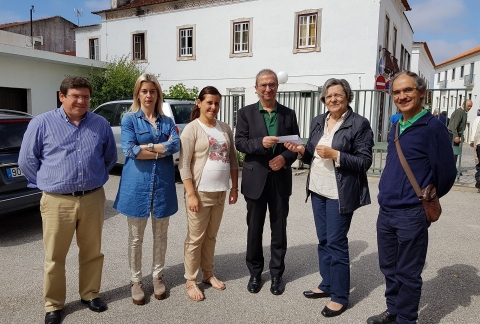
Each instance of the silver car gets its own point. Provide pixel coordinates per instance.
(113, 111)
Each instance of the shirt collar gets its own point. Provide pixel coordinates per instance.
(260, 107)
(65, 117)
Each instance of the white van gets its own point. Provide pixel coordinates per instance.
(113, 111)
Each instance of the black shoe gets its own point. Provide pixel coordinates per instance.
(277, 287)
(254, 284)
(314, 295)
(96, 304)
(53, 317)
(477, 185)
(383, 318)
(327, 312)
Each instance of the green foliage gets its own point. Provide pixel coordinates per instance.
(180, 91)
(115, 81)
(240, 158)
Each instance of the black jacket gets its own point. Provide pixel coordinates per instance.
(249, 133)
(354, 140)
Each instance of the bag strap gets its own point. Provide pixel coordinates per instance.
(405, 165)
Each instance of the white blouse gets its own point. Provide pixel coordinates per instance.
(322, 171)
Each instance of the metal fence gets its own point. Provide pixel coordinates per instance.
(377, 106)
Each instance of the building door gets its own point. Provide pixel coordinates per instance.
(13, 99)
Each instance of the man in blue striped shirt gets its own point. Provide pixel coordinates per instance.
(67, 153)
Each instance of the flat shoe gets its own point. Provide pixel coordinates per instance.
(53, 317)
(197, 290)
(96, 304)
(313, 295)
(209, 282)
(327, 312)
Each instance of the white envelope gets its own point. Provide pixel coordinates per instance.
(290, 138)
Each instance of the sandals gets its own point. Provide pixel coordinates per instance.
(216, 281)
(194, 288)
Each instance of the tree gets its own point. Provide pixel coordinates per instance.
(115, 81)
(180, 91)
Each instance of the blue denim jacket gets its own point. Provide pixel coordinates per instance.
(144, 180)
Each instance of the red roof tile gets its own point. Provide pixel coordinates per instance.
(473, 51)
(135, 4)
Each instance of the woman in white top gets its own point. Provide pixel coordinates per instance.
(207, 163)
(339, 151)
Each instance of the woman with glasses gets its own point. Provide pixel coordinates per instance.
(339, 151)
(147, 185)
(208, 161)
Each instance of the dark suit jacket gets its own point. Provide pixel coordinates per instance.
(250, 131)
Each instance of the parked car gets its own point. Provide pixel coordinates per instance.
(14, 194)
(113, 111)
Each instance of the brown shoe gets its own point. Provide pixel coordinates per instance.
(159, 288)
(138, 295)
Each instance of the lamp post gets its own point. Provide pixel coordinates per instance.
(31, 25)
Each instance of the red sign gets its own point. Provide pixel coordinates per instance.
(380, 82)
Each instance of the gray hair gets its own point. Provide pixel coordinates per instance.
(268, 72)
(331, 82)
(419, 82)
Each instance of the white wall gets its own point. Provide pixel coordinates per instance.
(422, 65)
(40, 73)
(349, 42)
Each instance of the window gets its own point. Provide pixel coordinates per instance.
(307, 31)
(453, 74)
(438, 77)
(186, 43)
(451, 101)
(462, 71)
(94, 50)
(241, 37)
(460, 98)
(387, 32)
(394, 48)
(139, 47)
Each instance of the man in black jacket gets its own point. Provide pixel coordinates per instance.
(266, 177)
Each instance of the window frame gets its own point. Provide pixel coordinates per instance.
(97, 51)
(144, 45)
(248, 52)
(318, 30)
(193, 55)
(462, 71)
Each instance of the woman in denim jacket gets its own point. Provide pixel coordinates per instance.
(147, 185)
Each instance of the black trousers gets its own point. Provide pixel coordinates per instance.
(256, 213)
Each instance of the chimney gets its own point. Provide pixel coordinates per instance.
(114, 4)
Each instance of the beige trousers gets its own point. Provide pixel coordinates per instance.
(202, 233)
(62, 216)
(136, 230)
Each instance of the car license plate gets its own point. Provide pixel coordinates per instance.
(14, 172)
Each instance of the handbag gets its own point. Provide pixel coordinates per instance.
(427, 195)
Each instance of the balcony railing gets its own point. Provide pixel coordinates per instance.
(469, 80)
(443, 84)
(391, 63)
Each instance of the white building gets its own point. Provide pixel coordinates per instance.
(455, 80)
(30, 79)
(423, 63)
(224, 43)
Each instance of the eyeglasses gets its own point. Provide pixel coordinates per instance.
(270, 85)
(77, 97)
(332, 96)
(407, 91)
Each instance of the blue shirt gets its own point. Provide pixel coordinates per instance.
(60, 157)
(147, 183)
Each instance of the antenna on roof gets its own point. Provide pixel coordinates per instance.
(78, 13)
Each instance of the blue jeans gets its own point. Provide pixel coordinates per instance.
(333, 259)
(402, 237)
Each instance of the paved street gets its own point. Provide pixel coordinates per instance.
(451, 291)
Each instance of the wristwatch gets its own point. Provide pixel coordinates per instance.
(150, 147)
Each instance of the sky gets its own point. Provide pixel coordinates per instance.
(450, 27)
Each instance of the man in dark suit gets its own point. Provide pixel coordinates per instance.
(266, 177)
